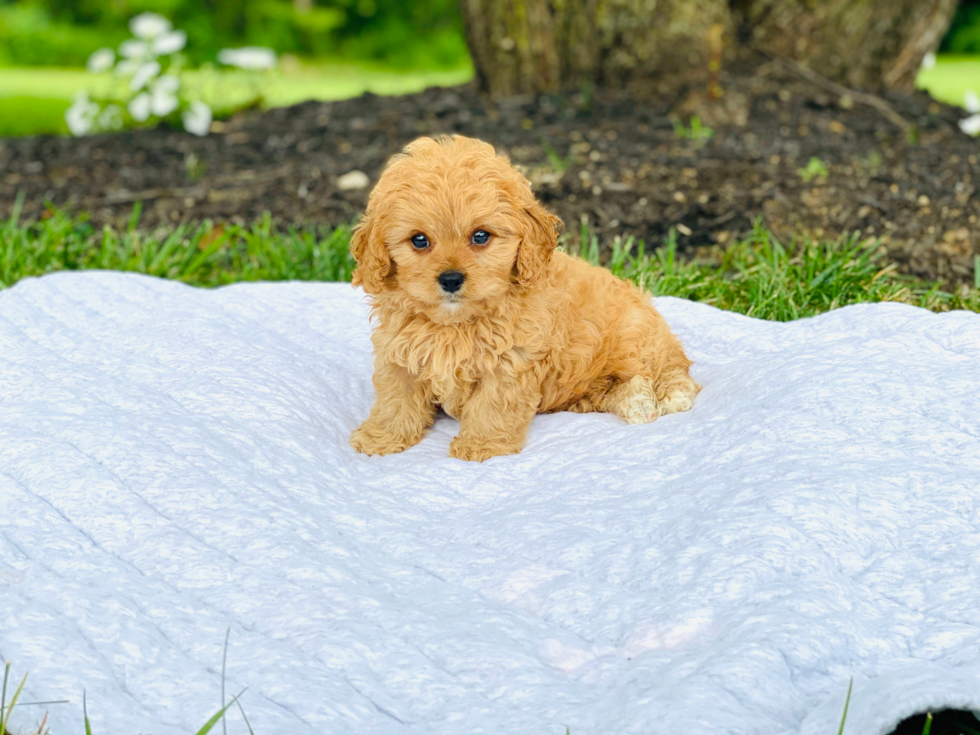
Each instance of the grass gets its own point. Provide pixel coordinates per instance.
(199, 255)
(943, 722)
(23, 111)
(762, 278)
(6, 709)
(814, 169)
(696, 132)
(757, 276)
(950, 78)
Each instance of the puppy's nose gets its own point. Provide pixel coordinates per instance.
(451, 281)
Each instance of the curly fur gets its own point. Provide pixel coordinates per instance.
(531, 331)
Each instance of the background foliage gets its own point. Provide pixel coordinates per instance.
(964, 34)
(411, 34)
(419, 34)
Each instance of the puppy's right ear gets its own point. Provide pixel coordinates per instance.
(374, 264)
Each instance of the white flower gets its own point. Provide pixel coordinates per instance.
(249, 57)
(929, 60)
(101, 60)
(133, 49)
(80, 117)
(139, 107)
(111, 118)
(970, 125)
(78, 122)
(971, 102)
(197, 118)
(167, 83)
(162, 102)
(149, 25)
(144, 74)
(127, 67)
(169, 43)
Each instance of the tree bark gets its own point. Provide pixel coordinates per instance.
(521, 46)
(864, 44)
(547, 45)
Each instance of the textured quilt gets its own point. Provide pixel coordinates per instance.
(174, 465)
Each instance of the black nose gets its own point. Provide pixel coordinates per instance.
(451, 281)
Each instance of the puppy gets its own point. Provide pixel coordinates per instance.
(477, 312)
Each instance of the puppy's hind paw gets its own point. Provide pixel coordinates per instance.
(680, 398)
(634, 401)
(642, 409)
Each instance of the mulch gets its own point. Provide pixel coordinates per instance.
(610, 161)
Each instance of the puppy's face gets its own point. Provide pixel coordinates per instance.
(453, 226)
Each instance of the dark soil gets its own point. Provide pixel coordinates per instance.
(613, 162)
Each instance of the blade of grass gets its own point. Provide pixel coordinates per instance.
(927, 727)
(5, 713)
(88, 725)
(847, 702)
(51, 701)
(244, 717)
(206, 728)
(134, 218)
(3, 698)
(18, 207)
(224, 662)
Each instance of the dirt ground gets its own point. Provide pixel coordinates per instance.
(616, 163)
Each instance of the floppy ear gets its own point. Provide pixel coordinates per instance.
(373, 260)
(538, 241)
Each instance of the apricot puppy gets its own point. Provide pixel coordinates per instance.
(477, 312)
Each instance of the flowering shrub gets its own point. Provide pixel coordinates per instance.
(150, 64)
(971, 103)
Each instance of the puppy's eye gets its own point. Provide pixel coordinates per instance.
(480, 237)
(420, 241)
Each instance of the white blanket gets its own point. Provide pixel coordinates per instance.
(174, 461)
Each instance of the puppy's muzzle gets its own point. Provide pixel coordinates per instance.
(451, 281)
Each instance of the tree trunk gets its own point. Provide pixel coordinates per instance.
(521, 46)
(547, 45)
(865, 44)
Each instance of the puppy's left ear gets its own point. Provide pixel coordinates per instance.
(538, 242)
(374, 264)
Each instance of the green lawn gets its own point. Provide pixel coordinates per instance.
(33, 100)
(951, 77)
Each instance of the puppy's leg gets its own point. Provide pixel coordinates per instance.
(495, 419)
(401, 413)
(661, 382)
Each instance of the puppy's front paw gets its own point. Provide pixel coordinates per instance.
(474, 450)
(370, 438)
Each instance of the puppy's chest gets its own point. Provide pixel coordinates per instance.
(452, 360)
